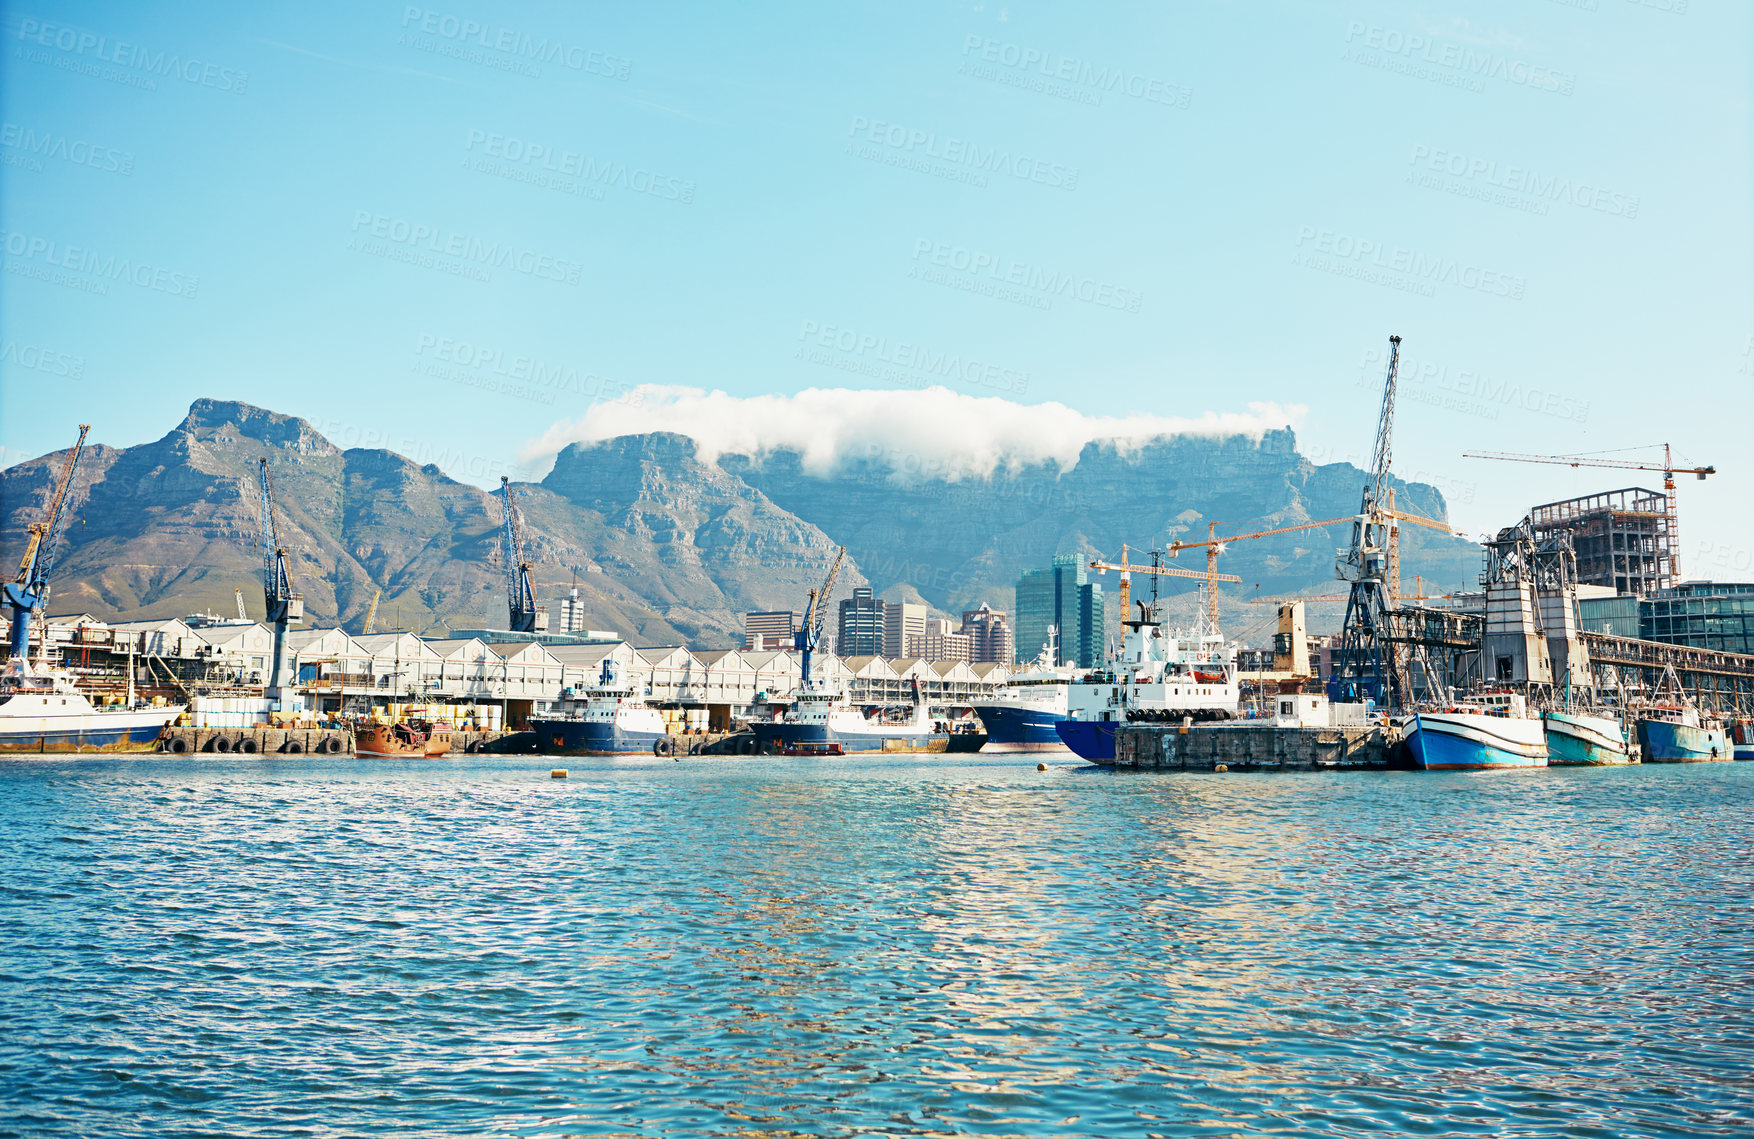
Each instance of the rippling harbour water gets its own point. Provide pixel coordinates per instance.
(871, 946)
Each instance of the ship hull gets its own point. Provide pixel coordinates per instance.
(811, 737)
(1464, 741)
(1093, 740)
(1662, 741)
(1584, 741)
(580, 737)
(1021, 729)
(1742, 741)
(136, 734)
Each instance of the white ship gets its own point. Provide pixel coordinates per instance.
(41, 710)
(1021, 714)
(1156, 676)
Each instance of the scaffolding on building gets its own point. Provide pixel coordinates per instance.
(1623, 539)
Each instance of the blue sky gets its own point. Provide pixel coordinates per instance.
(447, 229)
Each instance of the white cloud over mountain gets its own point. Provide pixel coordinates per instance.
(934, 432)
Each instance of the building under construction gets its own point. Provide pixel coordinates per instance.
(1623, 539)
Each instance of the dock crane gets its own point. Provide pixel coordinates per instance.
(809, 633)
(283, 605)
(243, 614)
(371, 615)
(1360, 670)
(28, 591)
(1668, 467)
(526, 615)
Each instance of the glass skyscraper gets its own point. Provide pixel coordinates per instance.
(1060, 597)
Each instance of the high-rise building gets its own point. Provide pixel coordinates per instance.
(572, 613)
(990, 639)
(861, 625)
(769, 631)
(1060, 597)
(903, 621)
(1621, 537)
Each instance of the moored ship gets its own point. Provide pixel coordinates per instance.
(1679, 735)
(1154, 677)
(1576, 739)
(611, 719)
(44, 711)
(820, 720)
(1021, 715)
(415, 737)
(1489, 732)
(1742, 740)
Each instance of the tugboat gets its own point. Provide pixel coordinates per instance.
(1155, 678)
(611, 719)
(1022, 713)
(415, 737)
(1491, 731)
(42, 710)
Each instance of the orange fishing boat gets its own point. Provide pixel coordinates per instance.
(403, 739)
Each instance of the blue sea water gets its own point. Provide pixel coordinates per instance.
(931, 945)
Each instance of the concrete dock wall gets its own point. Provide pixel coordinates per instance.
(1254, 747)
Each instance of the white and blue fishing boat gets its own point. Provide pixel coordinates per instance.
(42, 710)
(1742, 740)
(1021, 714)
(1679, 735)
(1492, 731)
(610, 718)
(1671, 730)
(1575, 739)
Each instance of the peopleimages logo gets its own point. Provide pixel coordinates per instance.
(41, 258)
(919, 149)
(1411, 265)
(571, 167)
(1063, 75)
(1395, 50)
(989, 273)
(511, 45)
(1521, 180)
(47, 144)
(440, 242)
(132, 57)
(910, 365)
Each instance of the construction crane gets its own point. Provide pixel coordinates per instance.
(28, 591)
(1668, 467)
(1360, 670)
(1319, 597)
(809, 633)
(371, 615)
(243, 614)
(1214, 545)
(1127, 568)
(283, 605)
(526, 615)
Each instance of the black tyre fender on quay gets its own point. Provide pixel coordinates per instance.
(476, 747)
(177, 745)
(292, 747)
(663, 746)
(221, 743)
(247, 746)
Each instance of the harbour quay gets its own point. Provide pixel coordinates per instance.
(1256, 746)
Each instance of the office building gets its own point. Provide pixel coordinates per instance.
(1060, 598)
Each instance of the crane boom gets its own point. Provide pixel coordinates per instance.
(371, 614)
(29, 590)
(809, 632)
(1163, 571)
